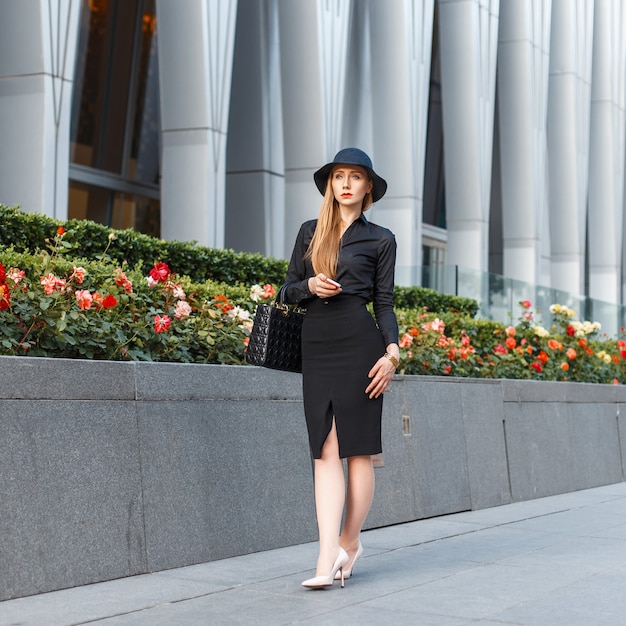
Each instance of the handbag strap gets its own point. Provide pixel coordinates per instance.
(280, 296)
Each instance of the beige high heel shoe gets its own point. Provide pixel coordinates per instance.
(347, 572)
(320, 582)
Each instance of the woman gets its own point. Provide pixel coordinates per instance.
(340, 262)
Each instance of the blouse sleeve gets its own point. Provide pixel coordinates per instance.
(297, 281)
(383, 290)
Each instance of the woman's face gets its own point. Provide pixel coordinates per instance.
(350, 185)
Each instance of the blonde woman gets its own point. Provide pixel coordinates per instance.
(340, 262)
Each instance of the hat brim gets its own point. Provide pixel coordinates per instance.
(379, 186)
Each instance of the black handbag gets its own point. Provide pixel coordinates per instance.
(275, 340)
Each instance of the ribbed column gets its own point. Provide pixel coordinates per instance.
(39, 41)
(606, 152)
(401, 42)
(255, 183)
(333, 18)
(568, 132)
(196, 41)
(523, 62)
(468, 41)
(303, 115)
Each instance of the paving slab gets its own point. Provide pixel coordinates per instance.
(559, 560)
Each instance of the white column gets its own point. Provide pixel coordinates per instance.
(401, 42)
(468, 42)
(196, 42)
(333, 18)
(523, 61)
(255, 182)
(568, 132)
(606, 153)
(303, 114)
(39, 41)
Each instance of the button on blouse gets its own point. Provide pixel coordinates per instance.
(365, 268)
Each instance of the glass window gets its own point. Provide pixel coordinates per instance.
(115, 129)
(434, 208)
(115, 209)
(145, 146)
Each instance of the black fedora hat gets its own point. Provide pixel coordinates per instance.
(351, 156)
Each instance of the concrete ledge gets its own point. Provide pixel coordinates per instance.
(65, 379)
(114, 469)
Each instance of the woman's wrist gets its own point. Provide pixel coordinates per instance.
(394, 360)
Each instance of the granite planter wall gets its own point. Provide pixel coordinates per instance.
(114, 469)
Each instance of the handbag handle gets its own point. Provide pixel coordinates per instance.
(280, 303)
(280, 296)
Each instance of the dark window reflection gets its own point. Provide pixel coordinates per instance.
(115, 209)
(434, 210)
(115, 111)
(144, 156)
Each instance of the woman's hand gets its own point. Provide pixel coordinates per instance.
(320, 287)
(382, 373)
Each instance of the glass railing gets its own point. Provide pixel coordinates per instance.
(499, 297)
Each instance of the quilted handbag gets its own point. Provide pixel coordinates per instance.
(275, 338)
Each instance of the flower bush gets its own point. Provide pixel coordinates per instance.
(569, 350)
(56, 304)
(50, 306)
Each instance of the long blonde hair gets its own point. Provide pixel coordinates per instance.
(324, 247)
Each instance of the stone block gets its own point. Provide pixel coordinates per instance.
(483, 423)
(533, 391)
(595, 444)
(174, 381)
(223, 478)
(71, 495)
(65, 379)
(588, 392)
(437, 446)
(541, 459)
(395, 496)
(621, 429)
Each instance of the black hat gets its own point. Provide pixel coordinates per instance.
(351, 156)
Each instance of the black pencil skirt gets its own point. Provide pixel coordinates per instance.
(340, 344)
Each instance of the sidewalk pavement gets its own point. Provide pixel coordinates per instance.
(553, 561)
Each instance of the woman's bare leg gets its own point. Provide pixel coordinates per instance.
(359, 500)
(329, 501)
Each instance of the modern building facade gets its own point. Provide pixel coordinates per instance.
(499, 125)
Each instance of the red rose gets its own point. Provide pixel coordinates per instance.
(160, 272)
(162, 323)
(109, 301)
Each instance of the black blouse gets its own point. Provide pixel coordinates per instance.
(365, 267)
